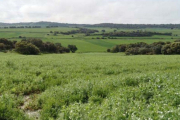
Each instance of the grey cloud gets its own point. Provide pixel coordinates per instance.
(91, 11)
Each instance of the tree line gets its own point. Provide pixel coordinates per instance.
(80, 30)
(35, 46)
(13, 27)
(133, 34)
(135, 26)
(141, 48)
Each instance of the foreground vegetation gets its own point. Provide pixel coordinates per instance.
(89, 86)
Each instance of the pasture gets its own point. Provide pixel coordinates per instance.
(86, 43)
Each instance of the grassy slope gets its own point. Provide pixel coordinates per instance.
(85, 44)
(93, 85)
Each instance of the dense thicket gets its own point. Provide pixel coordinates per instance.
(27, 48)
(80, 30)
(6, 44)
(147, 49)
(35, 46)
(72, 48)
(133, 34)
(48, 47)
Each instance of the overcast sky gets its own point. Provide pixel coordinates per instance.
(91, 11)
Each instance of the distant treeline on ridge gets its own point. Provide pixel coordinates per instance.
(110, 25)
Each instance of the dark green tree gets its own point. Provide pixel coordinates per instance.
(72, 48)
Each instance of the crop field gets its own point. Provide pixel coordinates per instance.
(86, 43)
(89, 86)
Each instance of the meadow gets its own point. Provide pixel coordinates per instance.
(86, 43)
(90, 84)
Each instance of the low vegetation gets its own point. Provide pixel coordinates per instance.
(80, 30)
(89, 86)
(142, 48)
(133, 34)
(35, 47)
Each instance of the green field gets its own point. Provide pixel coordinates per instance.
(89, 86)
(86, 43)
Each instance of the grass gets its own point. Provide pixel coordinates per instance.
(90, 86)
(85, 43)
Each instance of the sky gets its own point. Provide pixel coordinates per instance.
(91, 11)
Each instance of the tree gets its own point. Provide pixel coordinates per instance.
(2, 46)
(72, 48)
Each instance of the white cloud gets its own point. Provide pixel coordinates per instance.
(91, 11)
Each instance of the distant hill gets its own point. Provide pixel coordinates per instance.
(111, 25)
(41, 23)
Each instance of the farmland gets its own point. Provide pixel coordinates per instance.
(86, 43)
(90, 84)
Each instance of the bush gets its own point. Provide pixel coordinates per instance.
(50, 47)
(8, 44)
(115, 49)
(175, 48)
(145, 51)
(143, 48)
(108, 50)
(72, 48)
(166, 49)
(157, 49)
(2, 46)
(133, 51)
(27, 48)
(64, 50)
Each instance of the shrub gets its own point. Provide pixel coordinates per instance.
(50, 47)
(143, 48)
(2, 46)
(64, 50)
(122, 48)
(72, 48)
(115, 49)
(175, 48)
(139, 44)
(108, 50)
(37, 42)
(157, 49)
(144, 51)
(158, 43)
(166, 49)
(27, 48)
(8, 44)
(133, 51)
